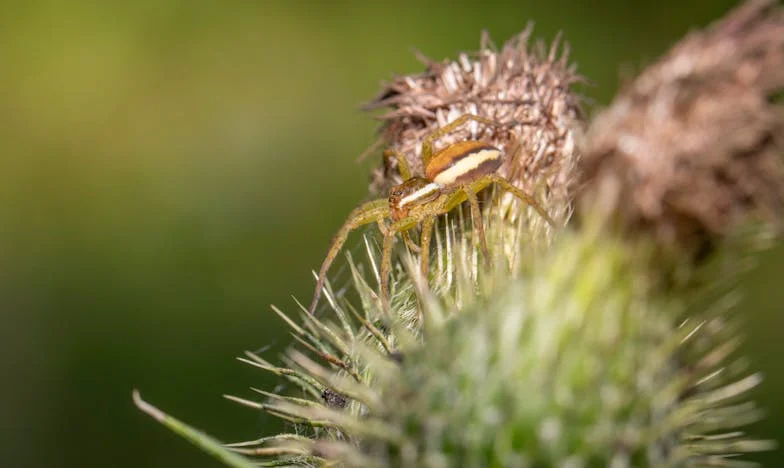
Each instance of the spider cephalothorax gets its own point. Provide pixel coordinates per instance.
(411, 194)
(453, 175)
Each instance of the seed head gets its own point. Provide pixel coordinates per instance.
(526, 88)
(693, 145)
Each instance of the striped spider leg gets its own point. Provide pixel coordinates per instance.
(452, 176)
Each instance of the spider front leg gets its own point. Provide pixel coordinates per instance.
(389, 232)
(424, 257)
(386, 267)
(403, 226)
(404, 234)
(369, 212)
(427, 142)
(409, 243)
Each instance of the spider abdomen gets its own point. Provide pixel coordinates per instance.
(463, 162)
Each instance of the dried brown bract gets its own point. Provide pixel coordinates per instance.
(694, 144)
(527, 88)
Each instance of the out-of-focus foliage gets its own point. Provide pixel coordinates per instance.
(170, 169)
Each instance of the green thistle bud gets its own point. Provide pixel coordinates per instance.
(609, 342)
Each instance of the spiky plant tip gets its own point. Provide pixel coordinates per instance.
(574, 362)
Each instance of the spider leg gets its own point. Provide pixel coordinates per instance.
(409, 243)
(402, 162)
(427, 142)
(382, 227)
(401, 226)
(427, 231)
(369, 212)
(468, 192)
(479, 228)
(386, 266)
(506, 185)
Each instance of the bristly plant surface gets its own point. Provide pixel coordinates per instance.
(610, 342)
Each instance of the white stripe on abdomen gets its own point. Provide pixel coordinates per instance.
(466, 165)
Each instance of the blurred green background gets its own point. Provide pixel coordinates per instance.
(171, 168)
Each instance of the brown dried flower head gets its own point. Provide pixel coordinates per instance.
(513, 85)
(693, 145)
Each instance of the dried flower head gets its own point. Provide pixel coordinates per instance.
(694, 144)
(516, 85)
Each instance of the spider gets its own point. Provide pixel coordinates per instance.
(452, 175)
